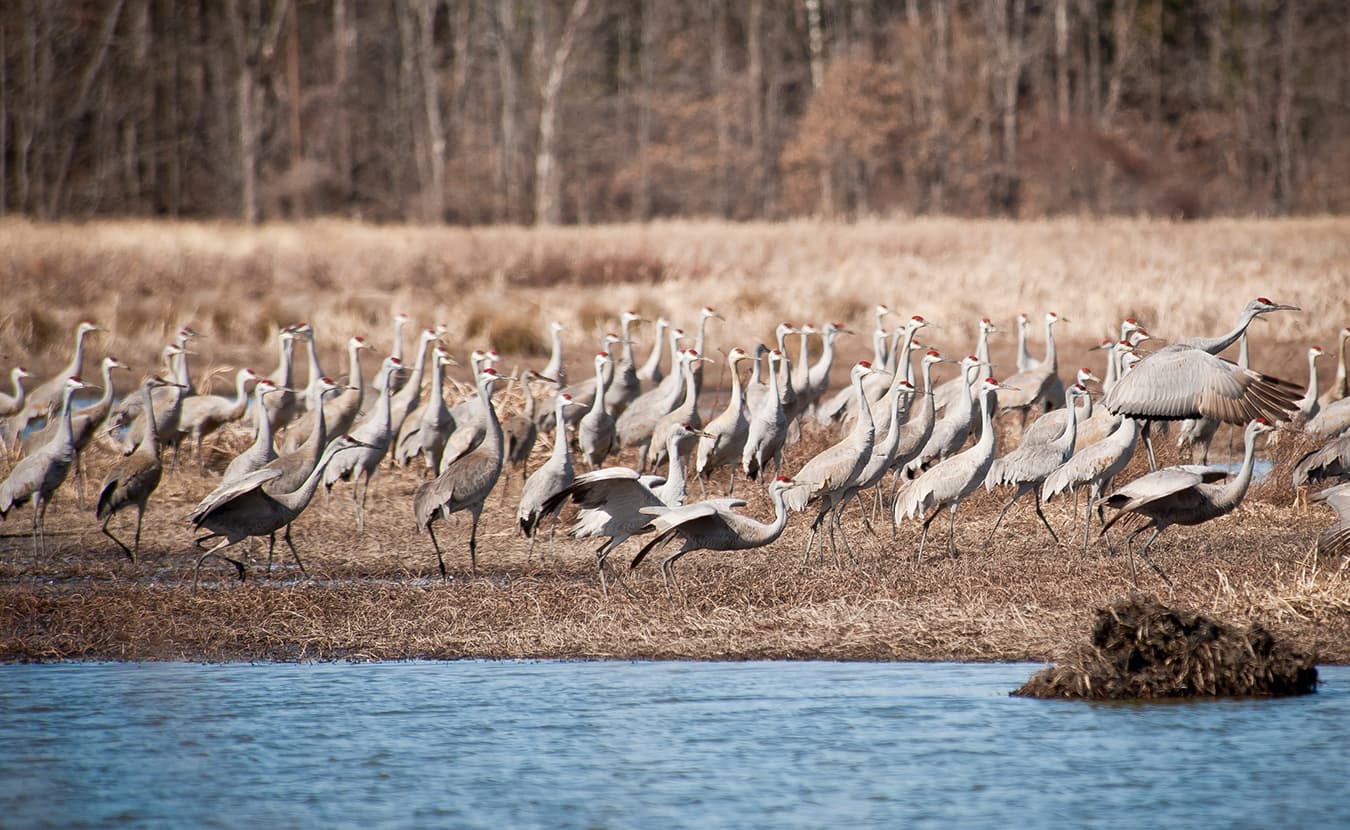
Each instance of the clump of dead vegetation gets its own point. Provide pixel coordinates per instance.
(1143, 648)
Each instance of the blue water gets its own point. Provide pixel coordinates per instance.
(647, 745)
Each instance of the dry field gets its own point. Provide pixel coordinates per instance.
(1018, 596)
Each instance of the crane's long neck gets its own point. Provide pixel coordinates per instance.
(864, 428)
(529, 411)
(419, 368)
(1023, 353)
(20, 394)
(754, 368)
(1244, 355)
(240, 402)
(1233, 492)
(493, 439)
(901, 363)
(774, 387)
(1341, 386)
(626, 357)
(702, 330)
(105, 399)
(561, 457)
(803, 355)
(769, 533)
(982, 350)
(822, 367)
(881, 356)
(354, 376)
(735, 401)
(676, 484)
(1112, 369)
(385, 408)
(315, 372)
(65, 436)
(601, 387)
(690, 402)
(262, 439)
(1310, 396)
(298, 499)
(675, 353)
(1069, 437)
(1214, 345)
(555, 359)
(965, 403)
(1051, 355)
(437, 385)
(77, 359)
(653, 364)
(149, 435)
(889, 443)
(1085, 408)
(985, 446)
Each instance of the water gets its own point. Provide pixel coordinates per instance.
(564, 744)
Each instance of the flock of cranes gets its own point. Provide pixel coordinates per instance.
(904, 442)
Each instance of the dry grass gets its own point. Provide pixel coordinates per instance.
(375, 596)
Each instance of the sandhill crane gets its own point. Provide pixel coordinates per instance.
(801, 367)
(952, 392)
(611, 499)
(244, 509)
(85, 421)
(951, 430)
(651, 369)
(521, 429)
(202, 415)
(552, 477)
(755, 385)
(725, 434)
(879, 351)
(261, 451)
(1132, 334)
(818, 374)
(712, 525)
(426, 432)
(1335, 540)
(686, 413)
(9, 404)
(787, 393)
(1184, 495)
(401, 320)
(1051, 425)
(637, 422)
(43, 399)
(1103, 421)
(168, 404)
(704, 315)
(918, 429)
(1187, 380)
(829, 474)
(37, 476)
(1093, 466)
(768, 427)
(596, 435)
(1028, 465)
(556, 368)
(1035, 383)
(1331, 420)
(282, 408)
(951, 480)
(132, 481)
(1329, 461)
(467, 481)
(340, 410)
(895, 410)
(840, 405)
(373, 435)
(625, 386)
(583, 391)
(1339, 388)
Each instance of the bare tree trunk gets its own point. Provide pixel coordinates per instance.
(1062, 60)
(1122, 29)
(1284, 109)
(758, 140)
(251, 52)
(508, 182)
(4, 123)
(816, 46)
(647, 27)
(297, 144)
(721, 127)
(548, 183)
(344, 37)
(433, 193)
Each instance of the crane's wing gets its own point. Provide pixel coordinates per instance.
(1329, 460)
(231, 490)
(1181, 382)
(1337, 498)
(1160, 484)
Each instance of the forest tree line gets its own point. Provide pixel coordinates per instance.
(482, 111)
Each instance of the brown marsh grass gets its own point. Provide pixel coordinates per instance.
(1019, 597)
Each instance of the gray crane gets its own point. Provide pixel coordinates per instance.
(950, 393)
(340, 410)
(425, 432)
(1188, 380)
(818, 374)
(1051, 425)
(1184, 495)
(1103, 421)
(521, 429)
(828, 475)
(951, 480)
(1035, 383)
(726, 433)
(1093, 467)
(611, 499)
(583, 391)
(552, 477)
(168, 404)
(203, 415)
(596, 435)
(466, 482)
(895, 411)
(43, 399)
(406, 399)
(308, 396)
(37, 476)
(768, 427)
(1028, 465)
(401, 321)
(712, 525)
(374, 434)
(132, 481)
(283, 407)
(651, 369)
(85, 421)
(686, 413)
(636, 423)
(1335, 540)
(245, 509)
(1339, 388)
(1329, 461)
(917, 429)
(953, 428)
(261, 451)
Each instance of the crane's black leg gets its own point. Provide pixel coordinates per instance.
(473, 545)
(951, 529)
(136, 545)
(1004, 512)
(440, 560)
(120, 543)
(1143, 554)
(923, 536)
(294, 552)
(1037, 493)
(271, 545)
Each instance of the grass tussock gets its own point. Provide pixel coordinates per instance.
(1143, 648)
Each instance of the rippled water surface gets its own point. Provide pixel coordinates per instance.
(608, 744)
